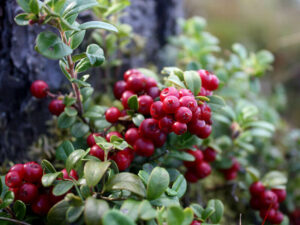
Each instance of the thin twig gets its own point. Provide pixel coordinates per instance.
(113, 199)
(14, 221)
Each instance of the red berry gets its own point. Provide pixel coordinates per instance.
(189, 102)
(257, 188)
(154, 92)
(166, 123)
(136, 83)
(56, 107)
(119, 88)
(190, 176)
(130, 72)
(195, 126)
(130, 152)
(198, 158)
(113, 133)
(144, 147)
(185, 92)
(281, 194)
(203, 169)
(277, 218)
(160, 139)
(183, 115)
(39, 89)
(112, 114)
(171, 104)
(72, 174)
(255, 203)
(33, 172)
(209, 80)
(156, 110)
(204, 132)
(150, 82)
(235, 165)
(230, 174)
(145, 102)
(16, 192)
(196, 115)
(205, 112)
(209, 154)
(269, 213)
(204, 92)
(179, 128)
(170, 91)
(91, 140)
(124, 99)
(149, 128)
(41, 205)
(18, 168)
(55, 199)
(268, 198)
(122, 159)
(195, 222)
(132, 135)
(13, 179)
(28, 193)
(97, 152)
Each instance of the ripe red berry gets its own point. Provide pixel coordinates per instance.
(204, 132)
(205, 112)
(170, 91)
(230, 174)
(205, 92)
(277, 218)
(156, 110)
(195, 222)
(267, 213)
(144, 147)
(268, 198)
(41, 205)
(18, 168)
(113, 133)
(179, 128)
(154, 92)
(281, 194)
(256, 188)
(255, 203)
(235, 165)
(198, 158)
(97, 152)
(124, 99)
(203, 169)
(122, 159)
(56, 107)
(130, 72)
(171, 104)
(195, 126)
(112, 114)
(160, 139)
(189, 102)
(136, 83)
(28, 193)
(55, 199)
(132, 135)
(209, 80)
(91, 140)
(191, 176)
(39, 89)
(185, 92)
(149, 128)
(210, 154)
(33, 172)
(150, 82)
(166, 123)
(145, 102)
(183, 114)
(130, 152)
(119, 88)
(13, 179)
(196, 115)
(72, 174)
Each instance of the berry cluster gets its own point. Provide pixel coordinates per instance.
(210, 82)
(40, 89)
(200, 168)
(232, 172)
(267, 202)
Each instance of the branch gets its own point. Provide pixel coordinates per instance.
(14, 221)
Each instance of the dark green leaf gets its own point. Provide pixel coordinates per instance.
(19, 209)
(83, 65)
(47, 166)
(62, 187)
(197, 209)
(94, 210)
(133, 102)
(34, 6)
(70, 111)
(7, 200)
(63, 67)
(207, 212)
(73, 213)
(180, 186)
(79, 129)
(57, 214)
(98, 25)
(22, 19)
(95, 55)
(77, 38)
(65, 121)
(182, 155)
(73, 159)
(24, 4)
(219, 210)
(192, 81)
(115, 217)
(158, 182)
(64, 150)
(94, 171)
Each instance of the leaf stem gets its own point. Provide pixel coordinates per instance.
(14, 221)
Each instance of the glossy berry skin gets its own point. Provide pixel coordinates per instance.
(33, 172)
(145, 102)
(170, 104)
(198, 158)
(183, 115)
(205, 92)
(179, 128)
(210, 154)
(277, 218)
(196, 115)
(113, 133)
(119, 88)
(150, 82)
(205, 112)
(131, 135)
(191, 176)
(28, 193)
(154, 92)
(160, 139)
(91, 140)
(255, 203)
(13, 179)
(39, 89)
(149, 128)
(203, 169)
(268, 198)
(122, 159)
(144, 147)
(195, 222)
(124, 99)
(56, 107)
(209, 80)
(130, 72)
(257, 188)
(18, 168)
(230, 174)
(136, 83)
(112, 114)
(166, 123)
(204, 132)
(281, 194)
(72, 174)
(97, 152)
(170, 91)
(263, 213)
(195, 126)
(189, 102)
(156, 110)
(185, 92)
(41, 205)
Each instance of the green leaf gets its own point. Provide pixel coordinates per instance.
(126, 181)
(57, 214)
(65, 121)
(24, 4)
(264, 57)
(49, 178)
(95, 55)
(73, 213)
(73, 159)
(34, 6)
(51, 46)
(19, 209)
(94, 210)
(79, 129)
(145, 211)
(144, 176)
(188, 216)
(173, 79)
(70, 111)
(115, 217)
(62, 187)
(181, 155)
(47, 166)
(240, 50)
(218, 206)
(130, 208)
(133, 103)
(77, 6)
(175, 215)
(254, 173)
(77, 38)
(216, 102)
(94, 171)
(173, 71)
(22, 19)
(197, 209)
(207, 212)
(158, 182)
(7, 200)
(137, 119)
(98, 25)
(180, 186)
(64, 150)
(192, 81)
(63, 67)
(83, 65)
(274, 178)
